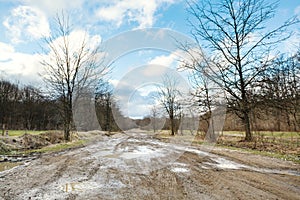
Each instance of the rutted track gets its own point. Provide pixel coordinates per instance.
(138, 166)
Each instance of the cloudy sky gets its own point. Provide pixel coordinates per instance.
(24, 23)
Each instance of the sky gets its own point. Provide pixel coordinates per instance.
(24, 24)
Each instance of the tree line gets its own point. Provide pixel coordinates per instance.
(28, 108)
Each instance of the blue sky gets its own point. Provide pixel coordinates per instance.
(23, 23)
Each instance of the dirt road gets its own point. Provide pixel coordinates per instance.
(138, 166)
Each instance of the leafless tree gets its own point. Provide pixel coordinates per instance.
(169, 96)
(104, 103)
(281, 90)
(71, 66)
(239, 45)
(205, 99)
(9, 96)
(154, 117)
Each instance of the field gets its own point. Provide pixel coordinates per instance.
(283, 145)
(22, 132)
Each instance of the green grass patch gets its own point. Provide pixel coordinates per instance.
(58, 147)
(22, 132)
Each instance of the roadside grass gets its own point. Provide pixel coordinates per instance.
(282, 145)
(289, 157)
(56, 147)
(22, 132)
(265, 133)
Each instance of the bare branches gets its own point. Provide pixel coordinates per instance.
(73, 64)
(240, 45)
(168, 96)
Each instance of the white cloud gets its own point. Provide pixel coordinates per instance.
(76, 38)
(173, 60)
(53, 6)
(26, 23)
(19, 66)
(27, 67)
(164, 60)
(113, 82)
(297, 10)
(153, 68)
(142, 12)
(5, 51)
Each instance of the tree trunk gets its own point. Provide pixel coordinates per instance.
(3, 129)
(246, 121)
(107, 123)
(154, 124)
(68, 119)
(172, 126)
(67, 133)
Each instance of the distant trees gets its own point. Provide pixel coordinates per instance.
(8, 97)
(25, 108)
(281, 90)
(169, 97)
(72, 66)
(240, 47)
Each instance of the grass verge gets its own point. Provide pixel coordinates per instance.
(284, 149)
(57, 147)
(22, 132)
(289, 157)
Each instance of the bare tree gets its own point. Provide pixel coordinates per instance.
(104, 102)
(154, 116)
(169, 95)
(281, 90)
(205, 100)
(234, 32)
(9, 96)
(72, 65)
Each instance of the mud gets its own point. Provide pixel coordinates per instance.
(138, 166)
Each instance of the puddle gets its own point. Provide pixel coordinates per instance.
(179, 170)
(141, 152)
(8, 165)
(112, 156)
(223, 163)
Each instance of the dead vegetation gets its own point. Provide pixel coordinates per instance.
(30, 141)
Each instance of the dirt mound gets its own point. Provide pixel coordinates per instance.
(28, 141)
(4, 148)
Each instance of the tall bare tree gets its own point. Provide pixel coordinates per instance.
(72, 65)
(154, 116)
(205, 98)
(234, 33)
(169, 96)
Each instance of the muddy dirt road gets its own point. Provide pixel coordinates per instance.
(138, 166)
